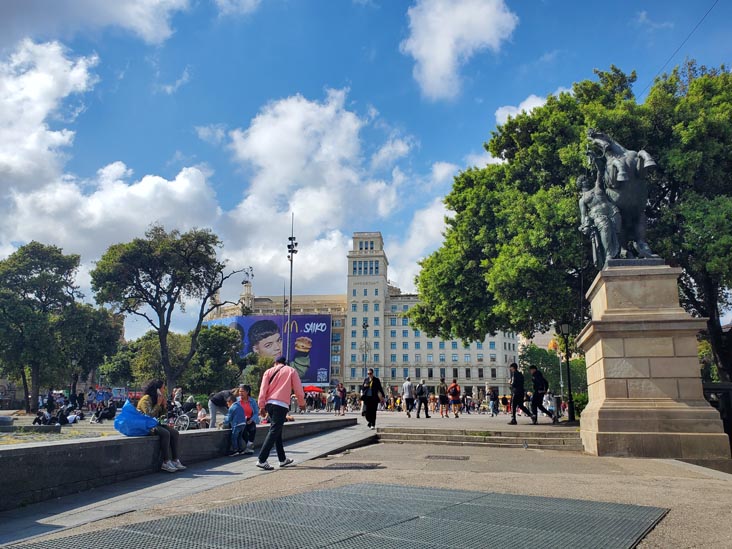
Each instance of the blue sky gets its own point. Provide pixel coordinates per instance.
(230, 114)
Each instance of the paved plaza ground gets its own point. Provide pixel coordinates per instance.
(699, 500)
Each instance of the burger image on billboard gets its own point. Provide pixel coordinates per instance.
(301, 361)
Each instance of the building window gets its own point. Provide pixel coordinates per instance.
(365, 292)
(353, 373)
(353, 358)
(405, 345)
(363, 371)
(480, 373)
(405, 322)
(354, 292)
(430, 373)
(376, 307)
(429, 344)
(493, 373)
(405, 307)
(353, 345)
(360, 268)
(393, 373)
(376, 290)
(405, 372)
(393, 308)
(479, 357)
(417, 333)
(493, 357)
(392, 321)
(393, 358)
(371, 244)
(337, 323)
(443, 372)
(353, 333)
(371, 267)
(376, 267)
(442, 357)
(442, 345)
(377, 333)
(479, 345)
(454, 357)
(392, 333)
(417, 373)
(376, 321)
(376, 343)
(376, 372)
(392, 345)
(417, 345)
(354, 307)
(467, 373)
(405, 333)
(335, 358)
(453, 344)
(492, 345)
(455, 373)
(365, 333)
(405, 358)
(354, 274)
(466, 358)
(376, 358)
(360, 245)
(336, 337)
(353, 321)
(430, 357)
(365, 307)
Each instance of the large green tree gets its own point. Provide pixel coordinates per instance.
(513, 258)
(36, 284)
(152, 277)
(215, 363)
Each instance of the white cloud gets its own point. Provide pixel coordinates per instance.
(445, 34)
(642, 20)
(237, 7)
(391, 151)
(481, 159)
(527, 105)
(35, 81)
(213, 133)
(170, 89)
(443, 172)
(424, 236)
(148, 19)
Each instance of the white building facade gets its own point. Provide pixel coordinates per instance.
(378, 334)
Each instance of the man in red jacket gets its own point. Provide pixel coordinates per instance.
(278, 383)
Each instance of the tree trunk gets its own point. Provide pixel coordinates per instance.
(74, 381)
(26, 392)
(35, 389)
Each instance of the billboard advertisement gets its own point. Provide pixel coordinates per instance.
(309, 337)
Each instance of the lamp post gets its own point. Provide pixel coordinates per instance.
(291, 251)
(365, 327)
(564, 330)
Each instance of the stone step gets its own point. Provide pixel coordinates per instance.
(536, 441)
(574, 447)
(548, 432)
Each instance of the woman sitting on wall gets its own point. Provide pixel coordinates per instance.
(152, 404)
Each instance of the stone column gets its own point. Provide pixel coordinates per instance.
(643, 374)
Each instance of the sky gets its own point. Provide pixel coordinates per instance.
(355, 115)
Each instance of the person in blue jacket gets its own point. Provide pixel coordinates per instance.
(236, 419)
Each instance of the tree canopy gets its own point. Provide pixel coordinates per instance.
(513, 259)
(153, 276)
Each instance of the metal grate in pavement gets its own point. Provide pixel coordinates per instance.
(387, 516)
(346, 465)
(453, 458)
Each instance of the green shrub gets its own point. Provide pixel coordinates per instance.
(580, 401)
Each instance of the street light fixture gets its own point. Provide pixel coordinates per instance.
(564, 330)
(291, 251)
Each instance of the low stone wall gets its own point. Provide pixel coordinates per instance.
(34, 472)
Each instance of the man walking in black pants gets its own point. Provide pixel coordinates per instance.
(541, 386)
(517, 394)
(422, 394)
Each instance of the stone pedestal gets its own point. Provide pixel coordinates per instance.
(645, 392)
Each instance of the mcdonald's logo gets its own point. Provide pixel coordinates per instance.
(291, 327)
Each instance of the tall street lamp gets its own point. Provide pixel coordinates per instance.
(291, 251)
(564, 330)
(365, 327)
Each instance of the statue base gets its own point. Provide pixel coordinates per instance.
(643, 373)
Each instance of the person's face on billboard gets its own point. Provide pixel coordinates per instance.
(269, 346)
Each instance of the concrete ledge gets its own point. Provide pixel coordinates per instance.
(30, 428)
(35, 472)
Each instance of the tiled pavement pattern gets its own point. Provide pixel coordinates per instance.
(388, 516)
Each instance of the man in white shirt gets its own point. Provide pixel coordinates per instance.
(408, 396)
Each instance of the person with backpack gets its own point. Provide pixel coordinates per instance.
(493, 399)
(408, 396)
(442, 396)
(453, 393)
(541, 386)
(422, 394)
(517, 394)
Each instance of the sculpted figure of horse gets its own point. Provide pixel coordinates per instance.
(626, 187)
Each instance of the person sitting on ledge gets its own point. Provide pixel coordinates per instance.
(152, 404)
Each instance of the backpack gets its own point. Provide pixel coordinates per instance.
(420, 390)
(452, 391)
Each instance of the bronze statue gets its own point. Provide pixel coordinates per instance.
(620, 184)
